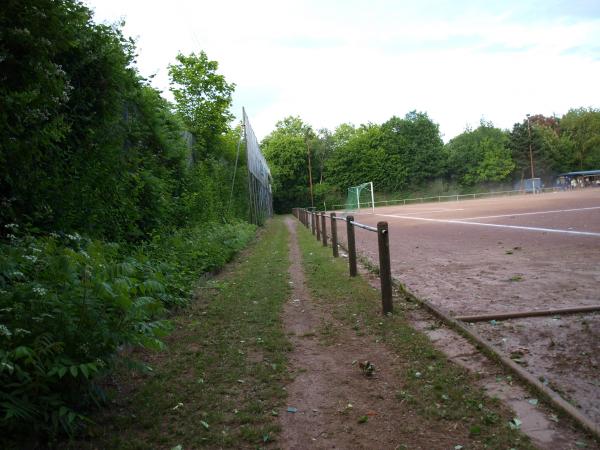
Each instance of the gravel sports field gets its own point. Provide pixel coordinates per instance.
(507, 254)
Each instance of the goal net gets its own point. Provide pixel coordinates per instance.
(361, 196)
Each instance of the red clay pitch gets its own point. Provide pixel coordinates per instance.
(506, 254)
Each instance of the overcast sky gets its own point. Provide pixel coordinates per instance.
(331, 62)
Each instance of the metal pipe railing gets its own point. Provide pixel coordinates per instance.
(318, 225)
(439, 198)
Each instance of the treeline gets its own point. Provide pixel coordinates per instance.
(112, 202)
(408, 154)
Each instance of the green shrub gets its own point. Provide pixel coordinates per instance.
(66, 305)
(188, 252)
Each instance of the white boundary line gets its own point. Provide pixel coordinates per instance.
(494, 225)
(433, 211)
(531, 213)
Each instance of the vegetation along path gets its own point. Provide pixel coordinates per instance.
(272, 354)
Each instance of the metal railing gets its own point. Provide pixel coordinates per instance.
(440, 198)
(317, 222)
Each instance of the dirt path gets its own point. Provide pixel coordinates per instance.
(330, 394)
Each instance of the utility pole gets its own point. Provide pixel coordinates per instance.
(312, 201)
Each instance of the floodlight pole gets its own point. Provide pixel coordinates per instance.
(530, 153)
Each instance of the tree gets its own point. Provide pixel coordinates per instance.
(203, 98)
(360, 159)
(414, 142)
(580, 130)
(479, 156)
(286, 151)
(546, 148)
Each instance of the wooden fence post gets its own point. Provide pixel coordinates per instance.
(334, 243)
(351, 245)
(385, 272)
(318, 220)
(324, 229)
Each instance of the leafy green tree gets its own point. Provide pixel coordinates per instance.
(550, 154)
(202, 96)
(580, 130)
(415, 144)
(362, 158)
(287, 155)
(479, 156)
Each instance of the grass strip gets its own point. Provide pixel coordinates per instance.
(431, 386)
(221, 378)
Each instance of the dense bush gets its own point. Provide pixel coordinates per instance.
(67, 304)
(88, 146)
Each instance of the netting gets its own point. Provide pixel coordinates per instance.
(259, 178)
(360, 196)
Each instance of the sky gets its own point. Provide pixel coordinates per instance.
(333, 61)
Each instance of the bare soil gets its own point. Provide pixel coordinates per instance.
(330, 391)
(466, 269)
(540, 423)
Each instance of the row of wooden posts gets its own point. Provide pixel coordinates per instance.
(317, 222)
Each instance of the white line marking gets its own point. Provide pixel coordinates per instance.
(515, 227)
(433, 211)
(531, 213)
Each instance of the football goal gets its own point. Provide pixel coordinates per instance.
(361, 196)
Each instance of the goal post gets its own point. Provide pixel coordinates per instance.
(361, 196)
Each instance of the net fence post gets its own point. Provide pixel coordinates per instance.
(334, 243)
(385, 271)
(324, 229)
(312, 222)
(351, 246)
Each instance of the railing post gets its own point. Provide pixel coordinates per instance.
(312, 222)
(334, 243)
(324, 229)
(385, 271)
(318, 220)
(351, 245)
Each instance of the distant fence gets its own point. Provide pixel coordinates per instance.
(443, 198)
(317, 223)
